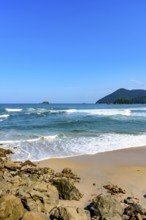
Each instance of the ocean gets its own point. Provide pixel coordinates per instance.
(37, 131)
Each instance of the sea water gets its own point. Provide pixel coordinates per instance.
(40, 131)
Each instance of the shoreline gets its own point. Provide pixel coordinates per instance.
(125, 168)
(85, 187)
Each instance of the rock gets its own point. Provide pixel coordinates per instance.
(67, 172)
(107, 206)
(131, 200)
(11, 208)
(35, 172)
(125, 217)
(1, 163)
(114, 189)
(139, 217)
(4, 152)
(66, 189)
(134, 209)
(38, 196)
(28, 163)
(35, 216)
(69, 213)
(9, 164)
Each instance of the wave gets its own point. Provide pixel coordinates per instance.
(104, 112)
(4, 116)
(57, 146)
(13, 109)
(71, 111)
(98, 112)
(95, 112)
(37, 111)
(41, 138)
(109, 112)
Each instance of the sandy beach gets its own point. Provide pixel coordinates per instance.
(108, 185)
(126, 168)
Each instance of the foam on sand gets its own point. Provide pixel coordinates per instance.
(61, 146)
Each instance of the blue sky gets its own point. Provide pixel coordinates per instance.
(70, 50)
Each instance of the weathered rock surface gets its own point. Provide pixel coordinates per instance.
(66, 189)
(9, 164)
(11, 208)
(69, 213)
(35, 216)
(5, 152)
(38, 196)
(133, 209)
(28, 192)
(107, 207)
(113, 189)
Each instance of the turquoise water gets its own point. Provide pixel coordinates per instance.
(37, 132)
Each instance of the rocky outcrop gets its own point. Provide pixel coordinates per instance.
(105, 206)
(133, 209)
(28, 192)
(38, 196)
(69, 213)
(35, 216)
(11, 165)
(11, 208)
(5, 152)
(114, 189)
(66, 189)
(37, 189)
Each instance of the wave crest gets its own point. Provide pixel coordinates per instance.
(13, 109)
(4, 116)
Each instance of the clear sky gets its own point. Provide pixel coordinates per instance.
(70, 50)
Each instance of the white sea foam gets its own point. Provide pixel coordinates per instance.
(41, 138)
(56, 146)
(138, 109)
(2, 117)
(13, 109)
(37, 111)
(100, 112)
(104, 112)
(71, 111)
(109, 112)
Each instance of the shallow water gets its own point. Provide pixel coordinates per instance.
(37, 132)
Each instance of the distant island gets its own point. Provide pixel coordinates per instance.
(45, 102)
(125, 96)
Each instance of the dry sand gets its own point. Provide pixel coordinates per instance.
(126, 168)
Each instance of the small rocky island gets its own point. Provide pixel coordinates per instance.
(124, 96)
(45, 103)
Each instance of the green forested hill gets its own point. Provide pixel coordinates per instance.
(124, 96)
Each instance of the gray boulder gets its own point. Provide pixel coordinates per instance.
(66, 189)
(107, 207)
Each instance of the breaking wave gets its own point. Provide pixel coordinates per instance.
(13, 109)
(60, 146)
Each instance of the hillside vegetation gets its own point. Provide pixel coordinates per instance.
(124, 96)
